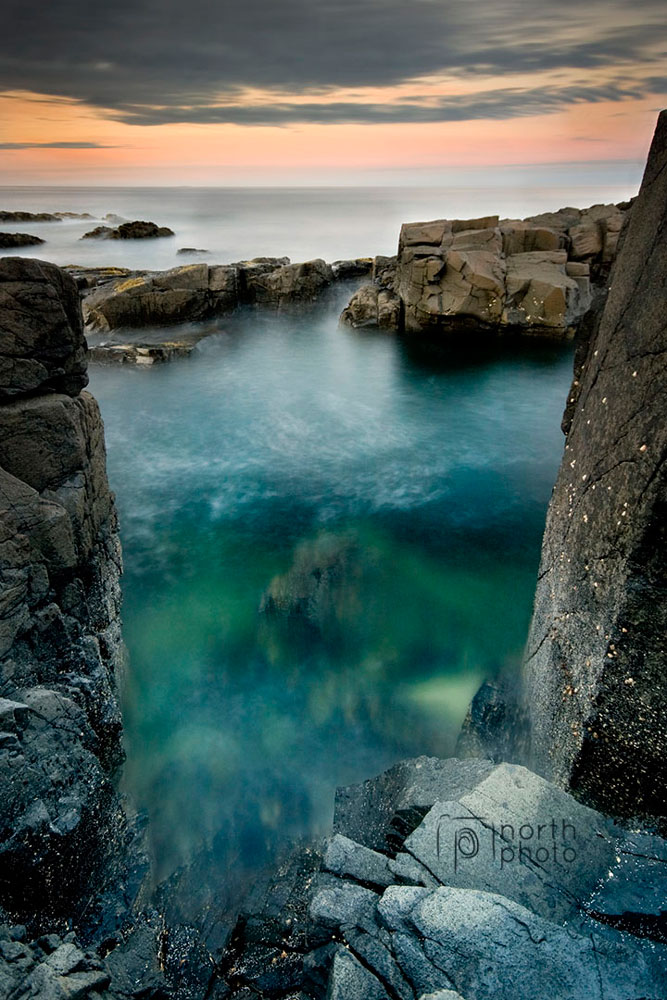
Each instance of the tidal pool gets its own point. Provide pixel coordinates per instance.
(281, 438)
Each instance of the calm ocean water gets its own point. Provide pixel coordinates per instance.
(285, 431)
(238, 223)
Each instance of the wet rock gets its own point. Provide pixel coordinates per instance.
(141, 354)
(372, 306)
(594, 669)
(191, 250)
(8, 240)
(30, 216)
(99, 233)
(529, 276)
(60, 647)
(128, 231)
(289, 283)
(348, 860)
(43, 347)
(381, 812)
(183, 294)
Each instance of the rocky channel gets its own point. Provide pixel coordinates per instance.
(464, 878)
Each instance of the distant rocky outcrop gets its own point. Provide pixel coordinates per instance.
(10, 240)
(128, 231)
(530, 276)
(6, 216)
(595, 663)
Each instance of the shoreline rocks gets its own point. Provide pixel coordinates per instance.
(9, 240)
(490, 276)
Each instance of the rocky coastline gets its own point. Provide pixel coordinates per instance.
(423, 890)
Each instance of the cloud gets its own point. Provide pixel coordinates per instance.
(151, 61)
(53, 145)
(498, 104)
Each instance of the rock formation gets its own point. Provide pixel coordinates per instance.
(10, 240)
(530, 276)
(60, 644)
(195, 292)
(31, 216)
(459, 879)
(595, 662)
(129, 231)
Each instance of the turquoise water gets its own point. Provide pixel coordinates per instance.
(286, 434)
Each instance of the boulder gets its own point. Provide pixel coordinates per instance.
(595, 662)
(183, 294)
(289, 283)
(8, 240)
(128, 231)
(374, 307)
(42, 348)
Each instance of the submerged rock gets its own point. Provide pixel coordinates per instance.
(595, 665)
(8, 240)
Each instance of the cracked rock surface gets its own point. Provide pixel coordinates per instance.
(530, 276)
(595, 663)
(486, 882)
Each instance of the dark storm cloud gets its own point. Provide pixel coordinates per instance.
(52, 145)
(163, 60)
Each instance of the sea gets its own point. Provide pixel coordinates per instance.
(282, 439)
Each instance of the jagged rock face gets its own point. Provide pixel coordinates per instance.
(60, 644)
(42, 347)
(449, 878)
(530, 276)
(595, 663)
(491, 277)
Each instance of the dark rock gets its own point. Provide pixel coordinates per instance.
(43, 347)
(18, 240)
(345, 270)
(381, 812)
(594, 670)
(30, 217)
(189, 250)
(141, 231)
(99, 233)
(128, 231)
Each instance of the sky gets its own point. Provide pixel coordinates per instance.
(338, 91)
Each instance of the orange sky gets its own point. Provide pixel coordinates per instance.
(225, 153)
